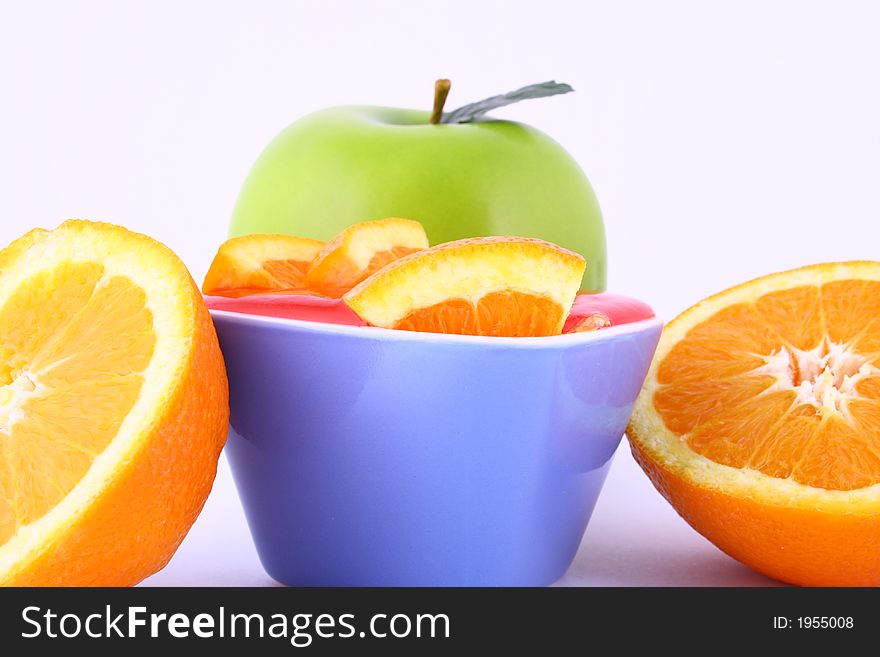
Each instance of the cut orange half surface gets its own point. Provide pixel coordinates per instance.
(760, 422)
(360, 250)
(254, 264)
(113, 406)
(495, 286)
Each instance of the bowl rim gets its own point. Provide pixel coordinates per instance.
(390, 335)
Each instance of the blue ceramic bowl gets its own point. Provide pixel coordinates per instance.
(365, 456)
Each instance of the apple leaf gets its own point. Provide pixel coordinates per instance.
(473, 111)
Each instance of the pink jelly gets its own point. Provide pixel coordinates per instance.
(289, 306)
(617, 308)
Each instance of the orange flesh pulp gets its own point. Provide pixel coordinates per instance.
(502, 314)
(787, 385)
(288, 273)
(49, 363)
(287, 278)
(346, 273)
(382, 258)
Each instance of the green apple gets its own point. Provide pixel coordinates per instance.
(342, 165)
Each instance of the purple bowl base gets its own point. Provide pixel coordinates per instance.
(359, 544)
(370, 458)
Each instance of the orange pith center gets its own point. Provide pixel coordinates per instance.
(506, 313)
(787, 385)
(73, 346)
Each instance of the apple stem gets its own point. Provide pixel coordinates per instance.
(441, 91)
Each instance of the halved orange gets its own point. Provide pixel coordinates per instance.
(496, 286)
(760, 422)
(113, 406)
(360, 250)
(254, 264)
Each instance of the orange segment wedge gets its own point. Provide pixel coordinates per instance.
(253, 264)
(494, 286)
(360, 250)
(113, 406)
(760, 422)
(592, 322)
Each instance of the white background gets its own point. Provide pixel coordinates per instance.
(724, 140)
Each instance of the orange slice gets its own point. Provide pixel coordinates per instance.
(760, 422)
(113, 406)
(360, 250)
(254, 264)
(591, 322)
(498, 286)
